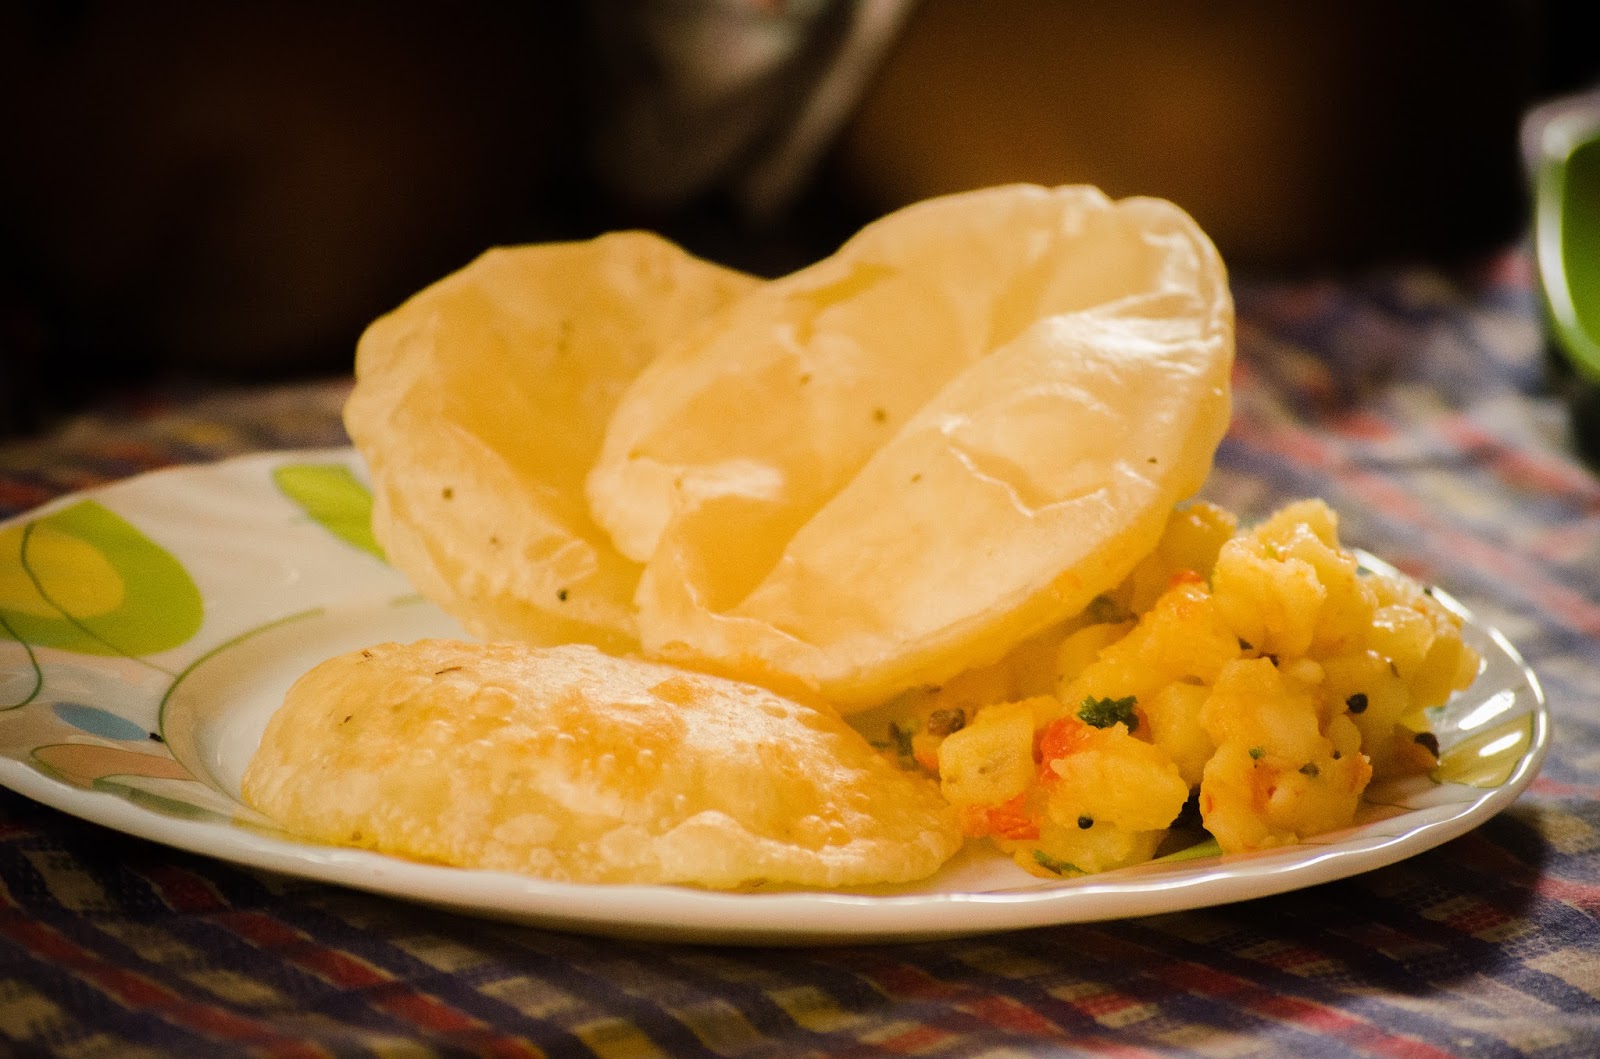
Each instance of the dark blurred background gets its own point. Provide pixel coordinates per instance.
(232, 191)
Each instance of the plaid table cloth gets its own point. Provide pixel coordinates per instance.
(1413, 401)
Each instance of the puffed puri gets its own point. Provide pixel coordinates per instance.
(569, 764)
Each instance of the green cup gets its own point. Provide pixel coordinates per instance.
(1561, 144)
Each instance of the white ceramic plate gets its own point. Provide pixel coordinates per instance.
(148, 629)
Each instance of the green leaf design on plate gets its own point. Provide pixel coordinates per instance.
(36, 672)
(161, 803)
(84, 579)
(331, 494)
(1488, 758)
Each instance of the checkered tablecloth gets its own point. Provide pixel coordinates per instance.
(1410, 400)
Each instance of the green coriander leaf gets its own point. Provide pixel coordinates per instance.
(1060, 867)
(1103, 713)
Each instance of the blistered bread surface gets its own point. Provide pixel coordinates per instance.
(569, 764)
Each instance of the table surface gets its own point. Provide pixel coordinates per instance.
(1414, 402)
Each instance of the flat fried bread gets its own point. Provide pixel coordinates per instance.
(900, 462)
(570, 764)
(479, 405)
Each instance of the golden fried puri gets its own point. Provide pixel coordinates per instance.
(569, 764)
(479, 406)
(896, 464)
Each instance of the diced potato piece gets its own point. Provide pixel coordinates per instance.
(1373, 696)
(1253, 706)
(1181, 638)
(1107, 800)
(1176, 728)
(1436, 675)
(1402, 636)
(1082, 647)
(1110, 777)
(1298, 517)
(990, 761)
(1194, 535)
(1072, 850)
(1271, 603)
(1348, 604)
(1233, 800)
(1275, 777)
